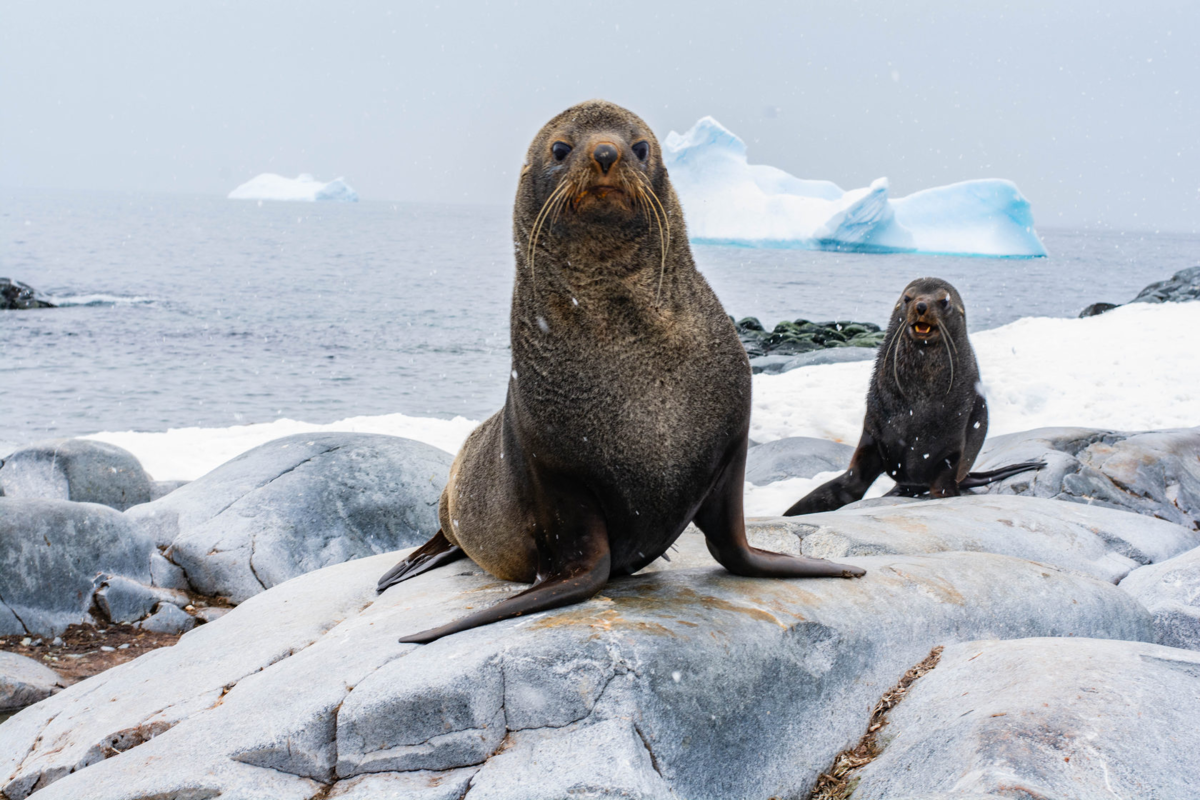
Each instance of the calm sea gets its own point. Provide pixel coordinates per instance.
(189, 310)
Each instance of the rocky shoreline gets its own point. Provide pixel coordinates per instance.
(279, 674)
(1181, 287)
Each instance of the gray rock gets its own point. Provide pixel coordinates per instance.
(1100, 542)
(682, 682)
(1156, 473)
(297, 504)
(24, 682)
(1182, 287)
(76, 469)
(211, 613)
(121, 600)
(1171, 591)
(795, 457)
(168, 619)
(1077, 718)
(54, 554)
(160, 489)
(166, 574)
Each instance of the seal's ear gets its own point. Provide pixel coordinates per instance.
(524, 169)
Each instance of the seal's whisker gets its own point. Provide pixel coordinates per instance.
(537, 225)
(952, 354)
(895, 353)
(664, 237)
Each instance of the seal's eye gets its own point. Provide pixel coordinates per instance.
(560, 150)
(907, 299)
(641, 150)
(944, 302)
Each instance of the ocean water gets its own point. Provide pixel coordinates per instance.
(201, 311)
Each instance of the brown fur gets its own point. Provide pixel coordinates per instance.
(629, 398)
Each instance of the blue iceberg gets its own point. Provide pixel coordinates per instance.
(730, 201)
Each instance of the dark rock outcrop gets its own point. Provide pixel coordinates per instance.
(15, 295)
(1181, 287)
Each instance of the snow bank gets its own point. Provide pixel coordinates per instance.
(1134, 368)
(729, 201)
(188, 453)
(304, 187)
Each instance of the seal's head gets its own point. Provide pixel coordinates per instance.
(594, 189)
(929, 310)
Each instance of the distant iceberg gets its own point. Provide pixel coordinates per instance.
(305, 187)
(728, 201)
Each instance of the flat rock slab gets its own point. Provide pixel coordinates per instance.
(76, 469)
(24, 682)
(795, 457)
(1156, 473)
(1054, 718)
(55, 554)
(682, 682)
(1171, 591)
(1096, 541)
(297, 504)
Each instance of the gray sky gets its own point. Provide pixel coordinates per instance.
(1090, 106)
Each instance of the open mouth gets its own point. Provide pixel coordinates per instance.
(923, 330)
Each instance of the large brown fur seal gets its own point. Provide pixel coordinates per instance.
(926, 418)
(628, 407)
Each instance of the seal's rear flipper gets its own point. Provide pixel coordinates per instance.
(434, 553)
(574, 582)
(976, 479)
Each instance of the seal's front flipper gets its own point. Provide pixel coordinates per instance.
(434, 553)
(721, 519)
(976, 479)
(865, 466)
(584, 573)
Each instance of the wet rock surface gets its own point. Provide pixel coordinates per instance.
(76, 469)
(297, 504)
(684, 681)
(793, 338)
(1155, 473)
(1078, 718)
(15, 296)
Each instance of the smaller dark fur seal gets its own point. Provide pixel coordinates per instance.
(926, 419)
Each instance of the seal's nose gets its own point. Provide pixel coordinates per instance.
(922, 307)
(605, 155)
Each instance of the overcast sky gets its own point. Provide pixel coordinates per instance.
(1091, 107)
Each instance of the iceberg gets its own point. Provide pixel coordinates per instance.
(305, 187)
(730, 201)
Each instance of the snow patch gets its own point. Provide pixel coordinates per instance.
(730, 201)
(269, 186)
(1133, 368)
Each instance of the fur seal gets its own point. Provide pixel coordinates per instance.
(628, 406)
(926, 418)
